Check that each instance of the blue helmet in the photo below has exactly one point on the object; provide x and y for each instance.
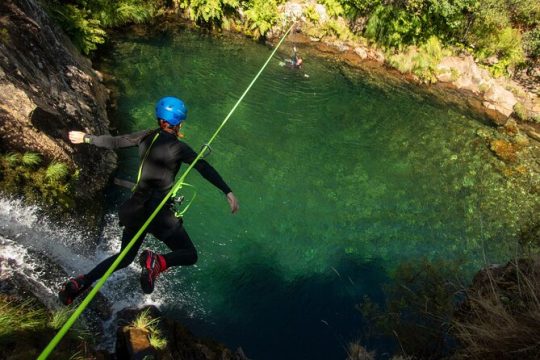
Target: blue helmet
(171, 109)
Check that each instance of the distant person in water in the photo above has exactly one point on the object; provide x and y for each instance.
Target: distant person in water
(296, 61)
(161, 153)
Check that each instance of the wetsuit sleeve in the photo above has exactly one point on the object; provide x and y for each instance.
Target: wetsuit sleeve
(116, 142)
(187, 155)
(209, 173)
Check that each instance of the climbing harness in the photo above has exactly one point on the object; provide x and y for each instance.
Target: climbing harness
(173, 192)
(143, 161)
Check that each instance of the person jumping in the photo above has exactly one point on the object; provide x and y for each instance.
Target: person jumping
(161, 153)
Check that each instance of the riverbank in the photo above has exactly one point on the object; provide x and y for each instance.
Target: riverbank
(509, 151)
(451, 74)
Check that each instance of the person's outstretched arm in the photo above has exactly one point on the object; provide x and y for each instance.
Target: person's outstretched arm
(108, 141)
(208, 172)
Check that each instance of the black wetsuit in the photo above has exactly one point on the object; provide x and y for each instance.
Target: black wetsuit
(161, 158)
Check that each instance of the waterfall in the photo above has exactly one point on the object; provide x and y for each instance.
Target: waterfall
(43, 254)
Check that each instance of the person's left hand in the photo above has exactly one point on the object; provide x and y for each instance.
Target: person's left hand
(233, 202)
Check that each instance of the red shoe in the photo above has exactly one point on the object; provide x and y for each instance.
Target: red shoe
(152, 265)
(71, 289)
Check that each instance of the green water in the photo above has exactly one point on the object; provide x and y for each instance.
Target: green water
(341, 177)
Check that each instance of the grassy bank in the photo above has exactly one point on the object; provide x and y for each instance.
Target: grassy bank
(26, 327)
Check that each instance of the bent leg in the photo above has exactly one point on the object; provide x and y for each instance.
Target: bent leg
(98, 271)
(183, 250)
(169, 229)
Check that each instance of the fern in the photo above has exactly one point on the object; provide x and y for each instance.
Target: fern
(12, 158)
(56, 171)
(31, 159)
(262, 16)
(333, 7)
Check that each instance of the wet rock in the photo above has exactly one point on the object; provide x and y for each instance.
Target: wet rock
(47, 89)
(293, 11)
(133, 343)
(181, 343)
(464, 73)
(499, 101)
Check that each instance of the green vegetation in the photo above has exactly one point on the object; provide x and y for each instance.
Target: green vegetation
(502, 34)
(418, 308)
(20, 316)
(427, 310)
(421, 61)
(261, 16)
(501, 315)
(521, 111)
(4, 36)
(145, 322)
(26, 174)
(209, 12)
(85, 21)
(26, 327)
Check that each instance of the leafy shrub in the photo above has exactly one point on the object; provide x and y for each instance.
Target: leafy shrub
(333, 7)
(359, 8)
(210, 12)
(85, 20)
(117, 13)
(532, 43)
(311, 13)
(338, 29)
(524, 13)
(85, 32)
(421, 61)
(261, 16)
(393, 27)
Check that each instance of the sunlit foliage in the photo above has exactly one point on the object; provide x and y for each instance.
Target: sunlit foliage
(261, 16)
(86, 20)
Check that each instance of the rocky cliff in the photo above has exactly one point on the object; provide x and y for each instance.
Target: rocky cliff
(46, 89)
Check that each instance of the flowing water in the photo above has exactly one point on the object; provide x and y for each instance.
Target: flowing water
(341, 178)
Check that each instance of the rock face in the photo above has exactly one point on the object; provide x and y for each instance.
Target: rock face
(465, 74)
(47, 89)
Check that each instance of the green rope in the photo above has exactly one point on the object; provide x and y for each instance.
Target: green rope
(178, 185)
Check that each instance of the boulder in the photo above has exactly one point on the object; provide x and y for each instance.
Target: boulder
(500, 102)
(47, 89)
(361, 52)
(180, 342)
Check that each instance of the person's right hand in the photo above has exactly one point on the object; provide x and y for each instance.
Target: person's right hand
(76, 137)
(233, 202)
